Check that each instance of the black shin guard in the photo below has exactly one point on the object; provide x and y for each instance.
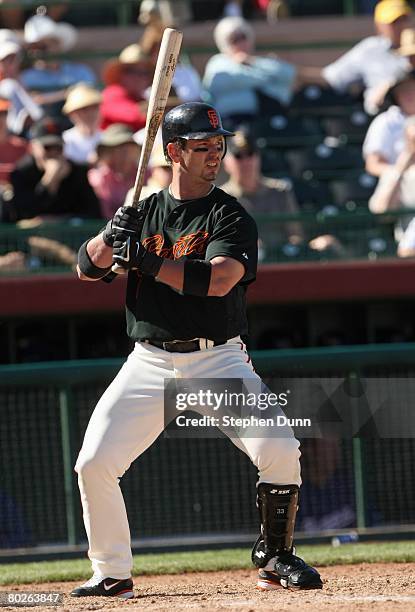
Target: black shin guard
(273, 551)
(277, 506)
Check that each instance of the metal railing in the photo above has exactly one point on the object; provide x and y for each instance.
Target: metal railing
(348, 236)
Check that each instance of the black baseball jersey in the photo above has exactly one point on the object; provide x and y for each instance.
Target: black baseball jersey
(203, 228)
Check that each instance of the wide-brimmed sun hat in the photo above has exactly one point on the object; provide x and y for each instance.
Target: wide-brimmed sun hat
(80, 96)
(42, 27)
(133, 55)
(407, 47)
(115, 135)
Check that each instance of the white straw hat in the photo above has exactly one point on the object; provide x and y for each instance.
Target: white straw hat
(81, 96)
(39, 27)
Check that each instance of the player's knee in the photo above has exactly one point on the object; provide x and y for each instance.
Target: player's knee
(101, 464)
(277, 451)
(89, 466)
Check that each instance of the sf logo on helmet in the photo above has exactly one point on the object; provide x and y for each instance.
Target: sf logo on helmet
(213, 118)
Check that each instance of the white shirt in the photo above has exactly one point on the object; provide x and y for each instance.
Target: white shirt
(408, 239)
(22, 105)
(386, 135)
(187, 83)
(371, 62)
(78, 147)
(406, 196)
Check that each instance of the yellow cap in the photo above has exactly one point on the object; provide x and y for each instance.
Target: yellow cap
(388, 11)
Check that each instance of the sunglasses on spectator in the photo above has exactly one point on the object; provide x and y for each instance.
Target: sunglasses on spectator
(237, 37)
(53, 147)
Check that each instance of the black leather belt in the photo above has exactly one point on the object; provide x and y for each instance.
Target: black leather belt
(185, 346)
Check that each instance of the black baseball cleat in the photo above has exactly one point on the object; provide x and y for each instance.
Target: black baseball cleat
(105, 587)
(290, 572)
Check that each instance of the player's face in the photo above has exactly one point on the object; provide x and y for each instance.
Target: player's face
(201, 159)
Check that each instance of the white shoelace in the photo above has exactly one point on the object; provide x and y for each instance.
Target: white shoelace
(93, 581)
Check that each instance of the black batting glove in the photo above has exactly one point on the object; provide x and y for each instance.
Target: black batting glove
(129, 253)
(128, 220)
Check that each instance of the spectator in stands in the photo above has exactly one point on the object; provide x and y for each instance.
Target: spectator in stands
(44, 37)
(46, 184)
(14, 15)
(374, 60)
(14, 529)
(396, 186)
(274, 9)
(407, 48)
(116, 167)
(186, 85)
(385, 137)
(260, 194)
(233, 8)
(240, 84)
(407, 51)
(235, 77)
(23, 108)
(82, 107)
(328, 501)
(172, 12)
(12, 148)
(160, 176)
(257, 193)
(126, 80)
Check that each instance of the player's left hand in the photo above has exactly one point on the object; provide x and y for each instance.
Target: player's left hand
(127, 219)
(130, 254)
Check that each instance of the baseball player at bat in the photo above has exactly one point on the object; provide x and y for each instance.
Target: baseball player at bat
(190, 252)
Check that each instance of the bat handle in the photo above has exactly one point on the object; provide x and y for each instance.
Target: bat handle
(118, 269)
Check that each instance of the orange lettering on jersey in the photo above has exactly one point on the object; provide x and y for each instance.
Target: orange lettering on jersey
(192, 243)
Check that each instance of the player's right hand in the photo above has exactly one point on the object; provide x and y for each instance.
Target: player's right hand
(127, 220)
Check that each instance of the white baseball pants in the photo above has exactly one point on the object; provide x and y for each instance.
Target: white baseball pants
(126, 421)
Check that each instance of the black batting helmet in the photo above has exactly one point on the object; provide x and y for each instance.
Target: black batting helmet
(195, 120)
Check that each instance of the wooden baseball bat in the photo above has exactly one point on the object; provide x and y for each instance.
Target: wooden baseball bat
(160, 89)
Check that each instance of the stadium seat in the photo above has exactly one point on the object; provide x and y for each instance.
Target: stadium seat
(327, 160)
(350, 129)
(354, 192)
(322, 101)
(281, 131)
(311, 195)
(273, 162)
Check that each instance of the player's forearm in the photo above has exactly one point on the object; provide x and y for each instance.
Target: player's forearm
(172, 273)
(99, 252)
(224, 274)
(100, 256)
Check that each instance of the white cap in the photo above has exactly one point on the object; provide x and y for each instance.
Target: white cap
(39, 27)
(229, 26)
(9, 36)
(9, 48)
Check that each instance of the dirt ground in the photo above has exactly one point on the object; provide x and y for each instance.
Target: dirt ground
(346, 588)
